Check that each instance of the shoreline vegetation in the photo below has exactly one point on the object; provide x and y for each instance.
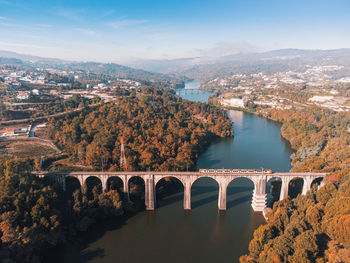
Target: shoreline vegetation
(160, 131)
(314, 227)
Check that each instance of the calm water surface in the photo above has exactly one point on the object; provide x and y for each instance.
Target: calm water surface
(170, 234)
(193, 93)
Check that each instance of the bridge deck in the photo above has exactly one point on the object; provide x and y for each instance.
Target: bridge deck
(182, 173)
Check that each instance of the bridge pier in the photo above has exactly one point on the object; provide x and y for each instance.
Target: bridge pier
(149, 193)
(259, 202)
(307, 184)
(126, 190)
(187, 196)
(83, 187)
(259, 195)
(284, 187)
(104, 184)
(222, 196)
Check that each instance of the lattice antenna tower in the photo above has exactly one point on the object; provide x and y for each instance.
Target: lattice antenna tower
(123, 165)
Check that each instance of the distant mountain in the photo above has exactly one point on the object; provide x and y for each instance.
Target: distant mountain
(120, 71)
(201, 68)
(204, 68)
(30, 58)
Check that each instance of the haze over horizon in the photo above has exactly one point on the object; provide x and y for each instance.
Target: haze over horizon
(124, 31)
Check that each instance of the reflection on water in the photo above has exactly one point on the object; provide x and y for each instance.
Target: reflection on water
(257, 144)
(170, 234)
(237, 118)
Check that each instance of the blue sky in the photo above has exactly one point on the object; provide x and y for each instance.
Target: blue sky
(122, 31)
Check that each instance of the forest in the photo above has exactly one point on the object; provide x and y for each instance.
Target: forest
(160, 132)
(37, 215)
(314, 227)
(163, 132)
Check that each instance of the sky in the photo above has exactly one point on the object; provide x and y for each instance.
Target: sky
(129, 30)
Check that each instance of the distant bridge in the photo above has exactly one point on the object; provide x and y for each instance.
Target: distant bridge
(188, 178)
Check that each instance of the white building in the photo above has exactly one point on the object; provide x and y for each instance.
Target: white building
(233, 102)
(36, 92)
(23, 95)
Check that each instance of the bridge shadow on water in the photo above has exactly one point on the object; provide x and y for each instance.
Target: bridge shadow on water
(179, 196)
(238, 201)
(169, 200)
(230, 191)
(204, 201)
(201, 190)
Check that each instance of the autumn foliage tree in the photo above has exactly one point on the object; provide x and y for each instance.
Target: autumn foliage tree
(35, 214)
(314, 227)
(160, 131)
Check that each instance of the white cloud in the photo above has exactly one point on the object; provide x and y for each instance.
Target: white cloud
(10, 24)
(24, 45)
(3, 18)
(126, 22)
(11, 3)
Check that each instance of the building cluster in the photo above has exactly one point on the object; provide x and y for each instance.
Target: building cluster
(270, 101)
(322, 83)
(15, 132)
(13, 77)
(316, 76)
(27, 83)
(335, 103)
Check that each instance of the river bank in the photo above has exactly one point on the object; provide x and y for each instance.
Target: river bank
(203, 234)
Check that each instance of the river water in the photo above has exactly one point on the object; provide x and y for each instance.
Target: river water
(170, 234)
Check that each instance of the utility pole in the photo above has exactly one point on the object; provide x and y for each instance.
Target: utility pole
(123, 165)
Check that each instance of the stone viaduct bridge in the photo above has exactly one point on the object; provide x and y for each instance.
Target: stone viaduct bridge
(188, 178)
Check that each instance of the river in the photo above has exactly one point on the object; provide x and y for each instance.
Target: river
(170, 234)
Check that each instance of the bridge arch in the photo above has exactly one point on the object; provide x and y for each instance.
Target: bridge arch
(316, 181)
(239, 177)
(201, 186)
(132, 177)
(239, 189)
(72, 184)
(211, 178)
(115, 183)
(273, 190)
(136, 187)
(168, 185)
(295, 186)
(91, 182)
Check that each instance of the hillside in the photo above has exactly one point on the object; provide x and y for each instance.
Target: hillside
(206, 68)
(28, 62)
